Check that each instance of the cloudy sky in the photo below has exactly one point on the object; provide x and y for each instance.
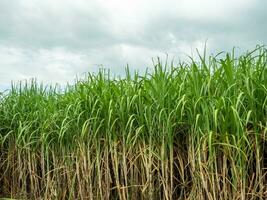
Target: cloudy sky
(55, 40)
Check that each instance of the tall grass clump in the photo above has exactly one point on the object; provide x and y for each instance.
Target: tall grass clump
(194, 130)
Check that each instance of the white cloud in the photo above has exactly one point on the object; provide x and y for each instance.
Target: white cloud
(49, 66)
(54, 40)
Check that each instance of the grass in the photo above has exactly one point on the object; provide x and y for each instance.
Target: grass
(192, 130)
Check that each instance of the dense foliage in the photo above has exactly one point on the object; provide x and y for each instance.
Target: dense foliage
(193, 130)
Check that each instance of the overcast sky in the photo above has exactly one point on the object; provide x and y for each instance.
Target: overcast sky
(55, 40)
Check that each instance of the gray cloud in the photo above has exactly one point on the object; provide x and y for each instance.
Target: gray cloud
(54, 40)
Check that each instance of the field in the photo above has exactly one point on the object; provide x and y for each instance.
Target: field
(191, 130)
